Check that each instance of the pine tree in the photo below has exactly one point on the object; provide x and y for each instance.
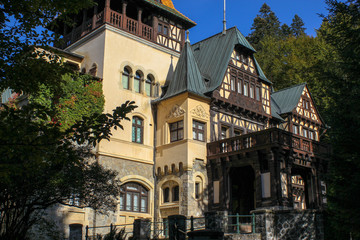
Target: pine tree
(297, 26)
(285, 30)
(266, 23)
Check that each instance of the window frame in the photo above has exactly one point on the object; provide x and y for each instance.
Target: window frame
(176, 130)
(149, 83)
(197, 131)
(141, 192)
(137, 78)
(125, 73)
(134, 130)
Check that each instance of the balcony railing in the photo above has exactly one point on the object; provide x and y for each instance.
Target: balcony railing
(114, 18)
(261, 139)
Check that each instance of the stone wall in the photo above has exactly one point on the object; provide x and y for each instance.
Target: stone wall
(289, 224)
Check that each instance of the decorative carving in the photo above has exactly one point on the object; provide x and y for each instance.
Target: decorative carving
(175, 112)
(200, 112)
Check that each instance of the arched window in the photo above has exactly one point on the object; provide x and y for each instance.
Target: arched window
(137, 82)
(175, 194)
(133, 198)
(198, 187)
(137, 130)
(166, 195)
(171, 192)
(125, 78)
(148, 86)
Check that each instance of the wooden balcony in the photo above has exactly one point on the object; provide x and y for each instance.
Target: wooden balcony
(113, 18)
(272, 137)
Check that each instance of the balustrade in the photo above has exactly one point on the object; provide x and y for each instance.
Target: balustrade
(260, 139)
(117, 20)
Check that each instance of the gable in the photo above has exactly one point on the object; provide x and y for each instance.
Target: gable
(243, 61)
(306, 107)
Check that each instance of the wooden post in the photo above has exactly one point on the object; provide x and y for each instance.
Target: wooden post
(107, 11)
(94, 17)
(139, 29)
(83, 24)
(155, 27)
(124, 21)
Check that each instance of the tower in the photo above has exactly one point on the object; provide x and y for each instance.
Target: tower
(133, 46)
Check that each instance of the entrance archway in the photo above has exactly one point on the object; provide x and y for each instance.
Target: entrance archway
(242, 184)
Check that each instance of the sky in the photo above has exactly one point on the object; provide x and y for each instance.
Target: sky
(208, 14)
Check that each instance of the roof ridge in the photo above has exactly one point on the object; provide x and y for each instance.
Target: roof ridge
(213, 36)
(287, 88)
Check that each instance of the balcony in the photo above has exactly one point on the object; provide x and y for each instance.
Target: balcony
(272, 137)
(113, 18)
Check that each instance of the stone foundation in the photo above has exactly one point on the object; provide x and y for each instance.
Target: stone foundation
(289, 224)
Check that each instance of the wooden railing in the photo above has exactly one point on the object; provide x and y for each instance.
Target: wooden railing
(117, 20)
(261, 139)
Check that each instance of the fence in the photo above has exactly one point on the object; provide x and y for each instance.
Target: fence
(236, 224)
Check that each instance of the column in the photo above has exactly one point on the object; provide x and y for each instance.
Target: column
(94, 19)
(124, 21)
(107, 11)
(139, 28)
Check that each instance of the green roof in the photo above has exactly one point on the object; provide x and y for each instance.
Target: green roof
(172, 11)
(287, 99)
(186, 77)
(213, 55)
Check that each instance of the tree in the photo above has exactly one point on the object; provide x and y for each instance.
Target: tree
(47, 146)
(266, 23)
(342, 32)
(297, 26)
(285, 30)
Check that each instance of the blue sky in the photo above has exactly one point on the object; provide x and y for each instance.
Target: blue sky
(208, 14)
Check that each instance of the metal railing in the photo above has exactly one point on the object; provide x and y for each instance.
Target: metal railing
(92, 233)
(241, 223)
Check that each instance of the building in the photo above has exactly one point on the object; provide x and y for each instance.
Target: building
(209, 133)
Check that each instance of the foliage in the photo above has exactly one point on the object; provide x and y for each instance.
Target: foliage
(47, 146)
(79, 96)
(266, 23)
(297, 26)
(341, 30)
(116, 234)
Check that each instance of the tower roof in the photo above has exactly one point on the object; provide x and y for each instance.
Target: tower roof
(168, 6)
(187, 76)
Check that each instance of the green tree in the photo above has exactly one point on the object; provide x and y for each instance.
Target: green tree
(341, 30)
(297, 26)
(285, 30)
(266, 23)
(47, 146)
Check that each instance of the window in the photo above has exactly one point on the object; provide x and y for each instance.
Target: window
(295, 129)
(75, 232)
(93, 70)
(239, 85)
(232, 83)
(156, 93)
(148, 86)
(133, 198)
(163, 29)
(160, 28)
(224, 132)
(257, 93)
(246, 87)
(252, 91)
(305, 132)
(197, 190)
(167, 194)
(311, 135)
(198, 131)
(171, 192)
(125, 78)
(166, 30)
(176, 131)
(175, 194)
(137, 130)
(137, 82)
(306, 104)
(237, 132)
(198, 187)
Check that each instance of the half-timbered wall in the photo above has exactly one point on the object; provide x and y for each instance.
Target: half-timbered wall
(305, 120)
(241, 86)
(170, 34)
(234, 125)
